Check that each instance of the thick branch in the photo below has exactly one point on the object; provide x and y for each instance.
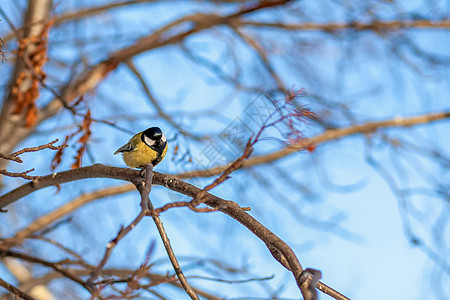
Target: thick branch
(284, 253)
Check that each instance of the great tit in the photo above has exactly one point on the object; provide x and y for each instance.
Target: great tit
(148, 146)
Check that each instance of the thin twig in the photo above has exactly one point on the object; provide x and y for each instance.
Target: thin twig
(54, 265)
(15, 290)
(23, 174)
(10, 157)
(176, 266)
(144, 189)
(109, 248)
(376, 25)
(154, 102)
(15, 156)
(328, 135)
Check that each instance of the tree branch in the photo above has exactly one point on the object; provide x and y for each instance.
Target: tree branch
(328, 135)
(54, 265)
(15, 291)
(330, 27)
(284, 253)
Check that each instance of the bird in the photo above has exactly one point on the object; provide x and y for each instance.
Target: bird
(148, 146)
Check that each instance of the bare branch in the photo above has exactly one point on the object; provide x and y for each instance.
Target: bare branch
(263, 56)
(144, 188)
(41, 147)
(171, 254)
(154, 102)
(15, 157)
(289, 259)
(23, 174)
(54, 265)
(3, 52)
(375, 25)
(15, 290)
(109, 248)
(11, 157)
(329, 135)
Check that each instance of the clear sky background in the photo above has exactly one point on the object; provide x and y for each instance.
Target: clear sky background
(331, 206)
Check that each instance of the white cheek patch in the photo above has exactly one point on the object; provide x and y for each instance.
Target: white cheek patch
(149, 141)
(163, 138)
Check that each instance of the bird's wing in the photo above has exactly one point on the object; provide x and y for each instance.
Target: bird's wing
(125, 148)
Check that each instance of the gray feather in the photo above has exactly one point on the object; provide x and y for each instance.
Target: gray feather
(125, 148)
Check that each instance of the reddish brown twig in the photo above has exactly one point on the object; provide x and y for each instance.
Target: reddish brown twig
(15, 157)
(290, 116)
(23, 174)
(10, 157)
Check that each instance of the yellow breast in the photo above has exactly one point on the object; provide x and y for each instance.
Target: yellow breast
(141, 156)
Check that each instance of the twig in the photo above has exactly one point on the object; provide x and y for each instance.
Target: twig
(10, 157)
(54, 265)
(15, 290)
(155, 103)
(176, 266)
(23, 174)
(109, 248)
(262, 55)
(328, 135)
(376, 25)
(144, 189)
(291, 117)
(125, 274)
(234, 281)
(15, 156)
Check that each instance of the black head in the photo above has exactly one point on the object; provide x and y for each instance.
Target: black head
(153, 136)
